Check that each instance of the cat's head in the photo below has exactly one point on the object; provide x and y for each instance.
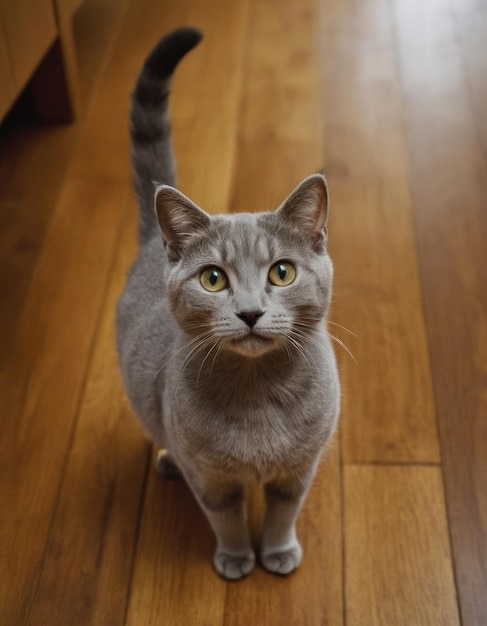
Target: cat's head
(248, 282)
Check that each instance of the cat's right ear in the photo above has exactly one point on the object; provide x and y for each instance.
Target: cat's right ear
(179, 219)
(306, 209)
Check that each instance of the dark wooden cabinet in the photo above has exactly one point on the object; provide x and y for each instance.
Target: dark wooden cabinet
(36, 40)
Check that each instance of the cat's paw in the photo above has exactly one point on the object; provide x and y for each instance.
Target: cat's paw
(166, 467)
(282, 561)
(233, 567)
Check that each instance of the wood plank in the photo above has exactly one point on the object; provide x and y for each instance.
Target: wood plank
(110, 158)
(279, 143)
(7, 81)
(280, 117)
(470, 27)
(41, 386)
(96, 27)
(449, 175)
(206, 103)
(389, 413)
(173, 574)
(19, 249)
(398, 562)
(88, 563)
(29, 188)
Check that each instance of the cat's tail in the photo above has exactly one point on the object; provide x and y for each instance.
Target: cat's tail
(150, 127)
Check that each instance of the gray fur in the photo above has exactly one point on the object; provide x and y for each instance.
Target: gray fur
(235, 406)
(150, 129)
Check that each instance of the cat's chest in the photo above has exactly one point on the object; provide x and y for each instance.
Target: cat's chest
(259, 436)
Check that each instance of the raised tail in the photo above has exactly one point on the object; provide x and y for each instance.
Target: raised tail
(150, 128)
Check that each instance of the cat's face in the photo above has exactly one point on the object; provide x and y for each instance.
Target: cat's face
(249, 283)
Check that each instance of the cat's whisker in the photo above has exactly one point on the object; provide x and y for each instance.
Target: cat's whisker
(289, 355)
(201, 346)
(299, 348)
(342, 327)
(215, 344)
(322, 348)
(191, 342)
(200, 341)
(340, 342)
(221, 345)
(303, 338)
(304, 321)
(204, 340)
(161, 368)
(334, 337)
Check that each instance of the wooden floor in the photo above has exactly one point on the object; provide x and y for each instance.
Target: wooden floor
(390, 97)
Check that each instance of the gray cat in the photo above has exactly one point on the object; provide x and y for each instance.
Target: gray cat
(222, 338)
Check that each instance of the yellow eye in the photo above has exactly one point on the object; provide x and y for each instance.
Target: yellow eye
(282, 274)
(213, 279)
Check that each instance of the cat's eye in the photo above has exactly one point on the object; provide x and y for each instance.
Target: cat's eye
(282, 273)
(213, 279)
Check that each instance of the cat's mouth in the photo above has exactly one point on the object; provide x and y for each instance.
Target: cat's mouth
(252, 344)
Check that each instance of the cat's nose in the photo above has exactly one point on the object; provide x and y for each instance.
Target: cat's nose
(250, 317)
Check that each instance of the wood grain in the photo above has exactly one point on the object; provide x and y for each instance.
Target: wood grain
(469, 28)
(449, 174)
(41, 387)
(391, 418)
(397, 550)
(108, 155)
(206, 106)
(6, 74)
(25, 210)
(279, 140)
(87, 566)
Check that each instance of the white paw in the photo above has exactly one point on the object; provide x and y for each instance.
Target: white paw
(233, 566)
(282, 561)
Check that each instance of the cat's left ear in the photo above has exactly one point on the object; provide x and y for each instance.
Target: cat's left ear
(179, 219)
(306, 209)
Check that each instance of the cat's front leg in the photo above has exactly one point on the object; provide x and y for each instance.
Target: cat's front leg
(281, 551)
(223, 503)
